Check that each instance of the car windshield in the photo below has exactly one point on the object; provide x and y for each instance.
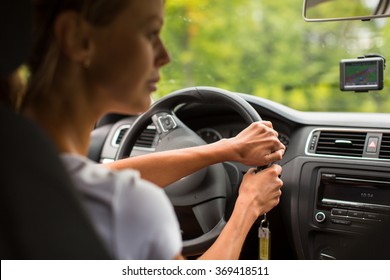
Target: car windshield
(265, 48)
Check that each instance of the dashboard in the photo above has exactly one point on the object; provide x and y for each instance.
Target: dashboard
(336, 173)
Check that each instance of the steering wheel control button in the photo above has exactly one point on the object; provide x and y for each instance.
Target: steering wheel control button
(167, 123)
(320, 217)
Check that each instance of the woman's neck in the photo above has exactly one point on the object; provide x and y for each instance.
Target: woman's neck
(69, 125)
(67, 113)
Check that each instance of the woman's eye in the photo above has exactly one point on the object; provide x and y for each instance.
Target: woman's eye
(152, 36)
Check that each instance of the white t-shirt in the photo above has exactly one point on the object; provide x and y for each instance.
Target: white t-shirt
(134, 217)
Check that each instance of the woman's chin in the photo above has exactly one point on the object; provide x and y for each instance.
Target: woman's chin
(140, 107)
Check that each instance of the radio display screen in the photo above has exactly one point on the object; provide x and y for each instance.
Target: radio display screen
(360, 194)
(374, 192)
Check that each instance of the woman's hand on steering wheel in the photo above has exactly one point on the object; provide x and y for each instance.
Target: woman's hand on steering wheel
(257, 145)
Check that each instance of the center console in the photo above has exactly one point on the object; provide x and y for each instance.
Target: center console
(349, 199)
(338, 204)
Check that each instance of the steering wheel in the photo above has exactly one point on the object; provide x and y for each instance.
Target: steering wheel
(200, 198)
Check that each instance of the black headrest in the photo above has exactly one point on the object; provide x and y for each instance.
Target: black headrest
(15, 34)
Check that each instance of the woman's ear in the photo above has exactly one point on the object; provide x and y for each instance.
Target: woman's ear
(74, 37)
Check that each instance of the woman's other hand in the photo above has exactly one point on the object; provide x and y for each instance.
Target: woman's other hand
(260, 191)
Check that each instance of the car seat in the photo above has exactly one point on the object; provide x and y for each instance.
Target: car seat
(41, 213)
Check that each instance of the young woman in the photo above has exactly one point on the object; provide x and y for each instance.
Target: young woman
(93, 57)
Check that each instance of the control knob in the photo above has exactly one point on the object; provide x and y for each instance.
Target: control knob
(320, 217)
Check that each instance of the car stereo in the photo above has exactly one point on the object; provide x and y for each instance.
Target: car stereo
(347, 199)
(362, 74)
(338, 206)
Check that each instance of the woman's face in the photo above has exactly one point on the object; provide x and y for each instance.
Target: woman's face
(127, 57)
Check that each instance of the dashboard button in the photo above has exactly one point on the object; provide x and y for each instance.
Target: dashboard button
(320, 217)
(339, 212)
(372, 145)
(355, 214)
(340, 222)
(372, 216)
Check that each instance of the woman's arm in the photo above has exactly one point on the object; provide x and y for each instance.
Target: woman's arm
(259, 193)
(256, 145)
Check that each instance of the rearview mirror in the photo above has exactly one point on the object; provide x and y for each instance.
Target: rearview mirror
(335, 10)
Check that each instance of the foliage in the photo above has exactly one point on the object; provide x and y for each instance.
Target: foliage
(265, 48)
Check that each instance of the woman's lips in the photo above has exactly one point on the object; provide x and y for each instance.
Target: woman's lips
(152, 83)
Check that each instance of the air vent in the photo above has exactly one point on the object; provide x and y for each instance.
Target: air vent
(341, 143)
(385, 147)
(118, 136)
(146, 139)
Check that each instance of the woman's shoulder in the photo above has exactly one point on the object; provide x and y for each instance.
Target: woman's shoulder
(135, 211)
(91, 176)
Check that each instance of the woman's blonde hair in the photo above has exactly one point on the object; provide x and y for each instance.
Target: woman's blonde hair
(45, 52)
